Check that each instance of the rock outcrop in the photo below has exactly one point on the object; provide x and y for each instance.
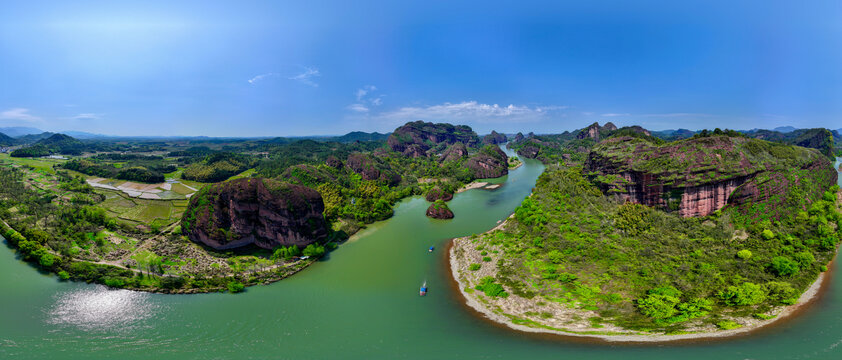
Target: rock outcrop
(333, 162)
(696, 177)
(439, 210)
(455, 152)
(263, 212)
(437, 193)
(494, 138)
(489, 162)
(423, 138)
(371, 168)
(592, 132)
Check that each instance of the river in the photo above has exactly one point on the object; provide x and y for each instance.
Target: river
(360, 303)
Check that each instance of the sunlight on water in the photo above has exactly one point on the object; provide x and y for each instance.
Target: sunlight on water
(98, 308)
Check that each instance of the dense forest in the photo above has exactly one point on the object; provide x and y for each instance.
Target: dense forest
(644, 268)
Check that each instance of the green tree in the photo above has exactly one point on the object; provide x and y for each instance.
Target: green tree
(784, 266)
(235, 287)
(743, 295)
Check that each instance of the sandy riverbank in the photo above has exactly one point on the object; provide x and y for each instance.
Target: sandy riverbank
(569, 322)
(473, 185)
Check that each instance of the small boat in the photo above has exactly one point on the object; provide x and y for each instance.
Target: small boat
(432, 248)
(423, 289)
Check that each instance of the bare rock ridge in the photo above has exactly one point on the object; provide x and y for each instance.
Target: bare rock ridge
(447, 143)
(490, 162)
(263, 212)
(455, 152)
(697, 177)
(420, 138)
(372, 168)
(494, 138)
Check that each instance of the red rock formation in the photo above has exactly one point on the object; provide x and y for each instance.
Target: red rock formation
(436, 193)
(263, 212)
(371, 169)
(695, 177)
(424, 134)
(490, 162)
(494, 138)
(591, 131)
(439, 210)
(455, 152)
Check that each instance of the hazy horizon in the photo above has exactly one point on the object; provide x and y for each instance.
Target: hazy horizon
(307, 69)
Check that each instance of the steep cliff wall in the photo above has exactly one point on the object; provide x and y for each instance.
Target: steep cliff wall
(263, 212)
(420, 138)
(696, 177)
(489, 162)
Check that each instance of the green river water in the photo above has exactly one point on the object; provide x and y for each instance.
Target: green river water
(360, 303)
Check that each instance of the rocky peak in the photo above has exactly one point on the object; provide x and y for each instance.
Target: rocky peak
(494, 138)
(439, 210)
(429, 137)
(370, 168)
(489, 162)
(696, 177)
(258, 211)
(592, 132)
(455, 152)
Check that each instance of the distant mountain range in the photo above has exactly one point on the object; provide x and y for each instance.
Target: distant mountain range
(18, 131)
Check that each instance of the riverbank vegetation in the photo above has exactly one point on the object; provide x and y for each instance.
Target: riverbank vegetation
(109, 212)
(644, 269)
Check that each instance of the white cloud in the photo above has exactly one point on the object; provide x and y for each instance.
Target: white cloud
(361, 93)
(365, 99)
(86, 116)
(471, 111)
(358, 108)
(18, 114)
(260, 77)
(306, 76)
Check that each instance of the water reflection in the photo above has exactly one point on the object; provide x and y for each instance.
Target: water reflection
(99, 308)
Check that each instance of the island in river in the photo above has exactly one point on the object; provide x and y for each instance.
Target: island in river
(647, 240)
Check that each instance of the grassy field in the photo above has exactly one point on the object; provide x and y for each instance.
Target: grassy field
(244, 174)
(142, 211)
(39, 164)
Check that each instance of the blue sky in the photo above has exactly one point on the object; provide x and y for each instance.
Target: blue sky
(328, 67)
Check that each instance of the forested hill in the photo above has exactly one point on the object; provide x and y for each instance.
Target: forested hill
(736, 229)
(6, 140)
(575, 145)
(55, 144)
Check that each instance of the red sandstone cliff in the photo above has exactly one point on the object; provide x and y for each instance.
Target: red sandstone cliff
(262, 212)
(699, 176)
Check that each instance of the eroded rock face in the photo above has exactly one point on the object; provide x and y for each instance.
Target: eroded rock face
(371, 169)
(436, 193)
(455, 152)
(699, 176)
(333, 162)
(421, 137)
(592, 131)
(263, 212)
(439, 210)
(494, 138)
(489, 162)
(529, 151)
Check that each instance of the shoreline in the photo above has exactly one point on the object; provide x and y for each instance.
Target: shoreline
(484, 312)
